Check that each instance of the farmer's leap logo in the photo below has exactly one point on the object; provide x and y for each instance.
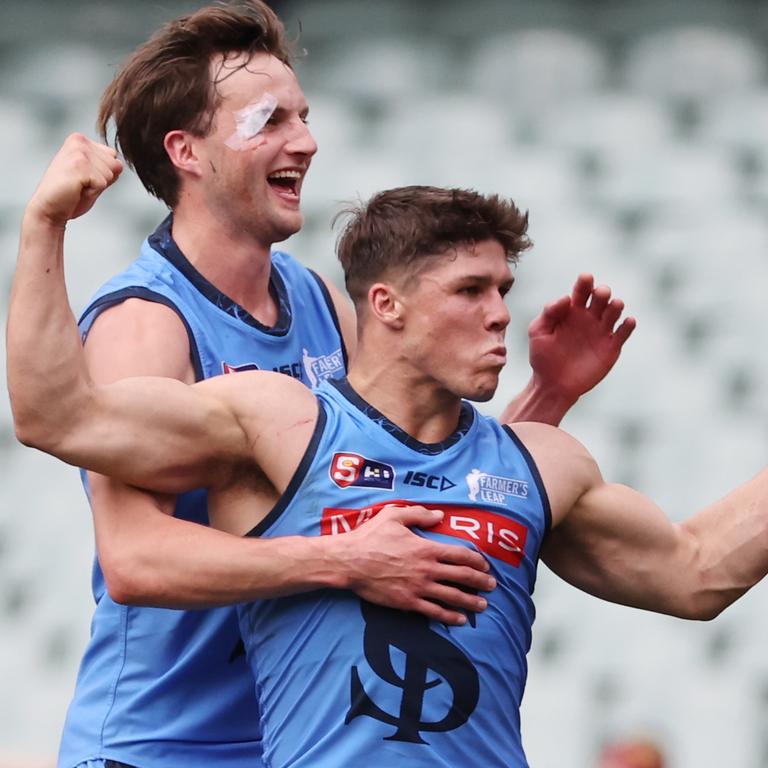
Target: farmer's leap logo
(494, 489)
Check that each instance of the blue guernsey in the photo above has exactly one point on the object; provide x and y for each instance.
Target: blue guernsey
(162, 688)
(343, 682)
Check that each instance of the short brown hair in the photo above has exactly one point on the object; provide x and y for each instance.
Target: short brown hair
(399, 229)
(165, 84)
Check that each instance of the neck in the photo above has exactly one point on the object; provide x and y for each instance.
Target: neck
(407, 397)
(232, 261)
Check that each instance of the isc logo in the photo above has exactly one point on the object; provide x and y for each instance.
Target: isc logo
(423, 480)
(351, 469)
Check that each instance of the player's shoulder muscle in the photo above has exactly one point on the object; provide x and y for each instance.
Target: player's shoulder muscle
(138, 338)
(566, 467)
(277, 413)
(271, 398)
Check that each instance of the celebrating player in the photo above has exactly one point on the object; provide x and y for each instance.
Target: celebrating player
(342, 681)
(212, 118)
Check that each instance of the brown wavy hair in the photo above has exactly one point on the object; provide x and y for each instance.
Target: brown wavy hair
(398, 231)
(166, 84)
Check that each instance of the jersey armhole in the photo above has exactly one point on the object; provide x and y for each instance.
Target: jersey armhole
(334, 315)
(298, 476)
(138, 292)
(536, 476)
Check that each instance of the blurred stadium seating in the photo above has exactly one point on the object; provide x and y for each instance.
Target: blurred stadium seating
(637, 134)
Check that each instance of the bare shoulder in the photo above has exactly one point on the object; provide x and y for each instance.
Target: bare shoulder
(138, 338)
(269, 399)
(566, 467)
(276, 413)
(546, 442)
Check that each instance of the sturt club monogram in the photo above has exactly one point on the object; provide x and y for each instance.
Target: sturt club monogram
(425, 651)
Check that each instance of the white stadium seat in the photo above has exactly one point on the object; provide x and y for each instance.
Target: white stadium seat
(694, 62)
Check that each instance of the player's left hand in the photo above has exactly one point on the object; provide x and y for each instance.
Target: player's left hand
(575, 341)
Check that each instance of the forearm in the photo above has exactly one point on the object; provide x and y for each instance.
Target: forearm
(47, 376)
(537, 402)
(163, 561)
(619, 546)
(731, 539)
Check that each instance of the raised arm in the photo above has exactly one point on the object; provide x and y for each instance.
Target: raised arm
(156, 432)
(615, 543)
(574, 343)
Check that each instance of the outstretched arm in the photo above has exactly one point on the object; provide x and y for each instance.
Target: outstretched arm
(617, 544)
(620, 546)
(574, 343)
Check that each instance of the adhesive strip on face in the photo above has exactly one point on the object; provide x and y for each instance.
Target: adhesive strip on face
(250, 120)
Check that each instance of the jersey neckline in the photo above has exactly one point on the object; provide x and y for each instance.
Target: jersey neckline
(161, 240)
(466, 420)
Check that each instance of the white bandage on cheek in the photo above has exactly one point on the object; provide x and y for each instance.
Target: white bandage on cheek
(250, 120)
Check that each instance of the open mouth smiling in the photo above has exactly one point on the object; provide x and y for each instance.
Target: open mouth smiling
(286, 182)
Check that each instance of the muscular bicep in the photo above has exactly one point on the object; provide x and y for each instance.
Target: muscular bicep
(618, 545)
(608, 539)
(158, 433)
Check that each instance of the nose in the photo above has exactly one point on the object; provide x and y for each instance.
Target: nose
(301, 141)
(497, 315)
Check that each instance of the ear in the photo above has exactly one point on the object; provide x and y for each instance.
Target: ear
(182, 151)
(386, 306)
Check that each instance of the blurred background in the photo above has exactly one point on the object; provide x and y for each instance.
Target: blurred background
(637, 135)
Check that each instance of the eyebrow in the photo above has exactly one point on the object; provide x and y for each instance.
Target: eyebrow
(282, 111)
(485, 280)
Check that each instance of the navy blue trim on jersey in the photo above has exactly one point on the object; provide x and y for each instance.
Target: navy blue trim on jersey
(466, 419)
(139, 292)
(332, 310)
(162, 241)
(298, 476)
(536, 476)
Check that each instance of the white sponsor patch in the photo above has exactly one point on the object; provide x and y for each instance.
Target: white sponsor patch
(494, 488)
(318, 369)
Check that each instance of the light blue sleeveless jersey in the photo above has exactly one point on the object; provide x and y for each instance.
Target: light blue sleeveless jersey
(162, 688)
(343, 682)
